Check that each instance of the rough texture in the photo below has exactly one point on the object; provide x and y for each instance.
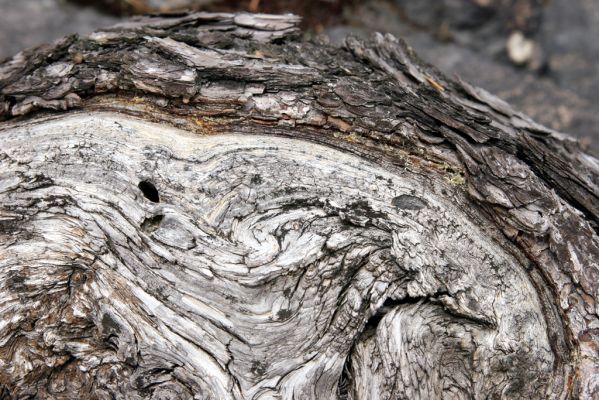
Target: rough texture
(226, 212)
(557, 85)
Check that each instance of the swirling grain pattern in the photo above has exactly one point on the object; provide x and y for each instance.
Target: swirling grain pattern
(256, 243)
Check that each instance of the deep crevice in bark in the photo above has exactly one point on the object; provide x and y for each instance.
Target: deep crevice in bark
(389, 304)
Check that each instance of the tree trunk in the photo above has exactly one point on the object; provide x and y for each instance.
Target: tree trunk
(204, 206)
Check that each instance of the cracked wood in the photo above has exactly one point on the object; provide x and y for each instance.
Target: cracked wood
(206, 206)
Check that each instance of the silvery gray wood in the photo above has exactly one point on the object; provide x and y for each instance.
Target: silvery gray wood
(206, 206)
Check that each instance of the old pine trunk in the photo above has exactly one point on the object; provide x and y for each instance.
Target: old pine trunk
(206, 206)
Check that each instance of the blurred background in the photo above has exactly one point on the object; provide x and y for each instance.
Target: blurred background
(540, 55)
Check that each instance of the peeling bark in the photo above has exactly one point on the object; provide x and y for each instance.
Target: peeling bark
(205, 206)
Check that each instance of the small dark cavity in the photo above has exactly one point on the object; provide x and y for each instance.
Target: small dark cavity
(110, 326)
(149, 191)
(152, 223)
(15, 281)
(256, 179)
(283, 314)
(77, 278)
(258, 368)
(363, 208)
(408, 202)
(110, 331)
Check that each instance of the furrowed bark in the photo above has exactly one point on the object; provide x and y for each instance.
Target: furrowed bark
(206, 206)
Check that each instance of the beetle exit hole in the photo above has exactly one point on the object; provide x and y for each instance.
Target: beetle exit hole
(149, 191)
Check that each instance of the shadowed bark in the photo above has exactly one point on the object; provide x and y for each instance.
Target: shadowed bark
(205, 206)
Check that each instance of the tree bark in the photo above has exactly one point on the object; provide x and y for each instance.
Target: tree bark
(206, 206)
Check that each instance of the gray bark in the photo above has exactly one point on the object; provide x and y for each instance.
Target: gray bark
(204, 206)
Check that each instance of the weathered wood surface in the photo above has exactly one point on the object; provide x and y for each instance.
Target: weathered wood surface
(222, 211)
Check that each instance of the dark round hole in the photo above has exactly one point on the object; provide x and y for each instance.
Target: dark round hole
(149, 191)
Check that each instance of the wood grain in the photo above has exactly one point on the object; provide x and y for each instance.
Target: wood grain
(205, 206)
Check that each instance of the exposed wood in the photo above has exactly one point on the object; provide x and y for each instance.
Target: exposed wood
(204, 206)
